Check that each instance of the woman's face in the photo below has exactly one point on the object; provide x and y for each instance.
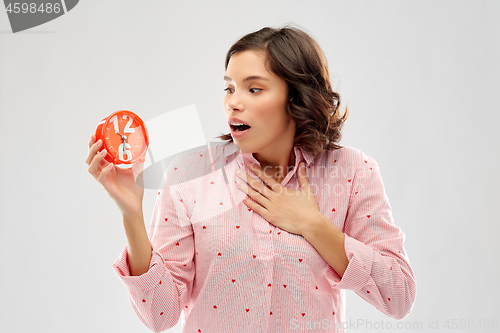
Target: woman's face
(258, 98)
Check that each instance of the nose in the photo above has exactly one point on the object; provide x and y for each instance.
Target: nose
(234, 102)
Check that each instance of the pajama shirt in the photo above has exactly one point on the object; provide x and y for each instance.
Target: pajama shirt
(230, 270)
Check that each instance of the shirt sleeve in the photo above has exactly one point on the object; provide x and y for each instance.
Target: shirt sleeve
(378, 270)
(159, 295)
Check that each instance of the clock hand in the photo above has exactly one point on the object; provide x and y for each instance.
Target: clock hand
(120, 125)
(124, 137)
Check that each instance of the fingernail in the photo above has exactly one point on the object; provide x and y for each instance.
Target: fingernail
(103, 152)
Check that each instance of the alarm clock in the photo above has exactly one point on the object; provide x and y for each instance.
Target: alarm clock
(125, 138)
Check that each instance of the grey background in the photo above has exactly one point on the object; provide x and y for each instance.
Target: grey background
(420, 78)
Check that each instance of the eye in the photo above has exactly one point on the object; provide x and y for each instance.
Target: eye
(228, 90)
(252, 90)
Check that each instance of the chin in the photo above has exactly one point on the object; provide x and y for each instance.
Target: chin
(243, 148)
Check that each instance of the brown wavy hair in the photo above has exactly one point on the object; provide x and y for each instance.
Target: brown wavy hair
(297, 58)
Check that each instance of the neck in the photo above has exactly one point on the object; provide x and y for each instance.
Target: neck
(277, 162)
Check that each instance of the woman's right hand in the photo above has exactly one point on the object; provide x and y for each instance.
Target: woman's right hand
(119, 183)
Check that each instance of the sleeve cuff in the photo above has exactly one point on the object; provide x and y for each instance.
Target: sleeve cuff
(146, 281)
(358, 270)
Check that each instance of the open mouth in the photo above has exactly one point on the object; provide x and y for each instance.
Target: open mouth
(239, 128)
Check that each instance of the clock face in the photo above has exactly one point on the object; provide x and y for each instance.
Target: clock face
(124, 136)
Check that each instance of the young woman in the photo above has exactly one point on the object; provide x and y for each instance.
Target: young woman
(268, 241)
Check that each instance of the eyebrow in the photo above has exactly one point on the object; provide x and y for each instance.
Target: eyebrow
(253, 77)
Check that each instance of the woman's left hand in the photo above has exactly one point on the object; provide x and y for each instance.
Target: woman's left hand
(287, 209)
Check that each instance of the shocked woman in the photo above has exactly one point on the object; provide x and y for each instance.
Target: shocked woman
(268, 241)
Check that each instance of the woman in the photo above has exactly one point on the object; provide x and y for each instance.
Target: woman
(271, 248)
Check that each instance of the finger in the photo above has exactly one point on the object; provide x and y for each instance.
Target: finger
(269, 181)
(257, 185)
(93, 150)
(257, 207)
(304, 183)
(96, 162)
(253, 206)
(103, 176)
(302, 169)
(92, 139)
(259, 197)
(258, 200)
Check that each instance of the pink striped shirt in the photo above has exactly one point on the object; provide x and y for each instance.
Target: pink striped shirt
(230, 270)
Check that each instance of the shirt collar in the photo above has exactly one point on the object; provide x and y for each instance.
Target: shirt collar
(232, 150)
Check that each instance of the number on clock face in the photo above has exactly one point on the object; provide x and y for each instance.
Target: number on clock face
(127, 128)
(123, 151)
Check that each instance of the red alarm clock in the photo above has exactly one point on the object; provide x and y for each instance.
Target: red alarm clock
(124, 136)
